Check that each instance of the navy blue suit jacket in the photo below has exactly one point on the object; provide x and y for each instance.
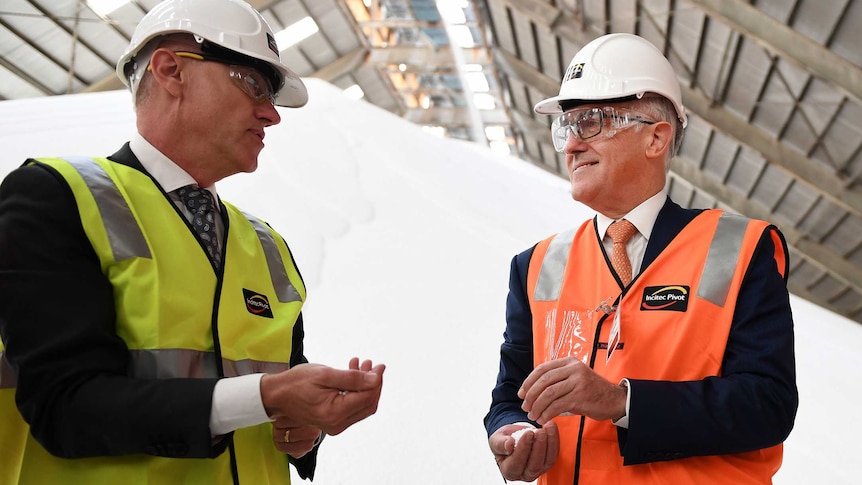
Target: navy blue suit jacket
(57, 319)
(751, 406)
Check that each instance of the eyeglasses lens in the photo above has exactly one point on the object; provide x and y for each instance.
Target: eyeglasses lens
(589, 123)
(586, 124)
(252, 83)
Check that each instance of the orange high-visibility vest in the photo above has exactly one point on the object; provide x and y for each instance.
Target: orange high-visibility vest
(674, 320)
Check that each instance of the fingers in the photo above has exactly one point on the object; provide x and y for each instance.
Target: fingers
(536, 460)
(295, 441)
(283, 423)
(534, 454)
(537, 374)
(552, 433)
(514, 465)
(355, 379)
(295, 434)
(501, 442)
(553, 388)
(364, 367)
(573, 388)
(544, 389)
(323, 397)
(551, 402)
(361, 403)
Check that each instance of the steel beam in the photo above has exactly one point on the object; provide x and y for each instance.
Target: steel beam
(787, 43)
(343, 65)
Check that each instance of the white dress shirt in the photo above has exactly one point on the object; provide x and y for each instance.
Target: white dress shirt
(643, 218)
(236, 400)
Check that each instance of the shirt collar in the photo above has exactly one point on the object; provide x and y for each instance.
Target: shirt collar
(167, 173)
(642, 217)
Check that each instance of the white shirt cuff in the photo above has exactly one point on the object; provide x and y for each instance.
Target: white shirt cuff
(623, 422)
(237, 404)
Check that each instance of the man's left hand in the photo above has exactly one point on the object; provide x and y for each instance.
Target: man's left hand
(570, 386)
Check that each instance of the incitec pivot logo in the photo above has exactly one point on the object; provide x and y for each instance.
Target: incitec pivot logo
(670, 298)
(257, 304)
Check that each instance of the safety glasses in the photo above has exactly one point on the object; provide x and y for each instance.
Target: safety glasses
(248, 79)
(588, 123)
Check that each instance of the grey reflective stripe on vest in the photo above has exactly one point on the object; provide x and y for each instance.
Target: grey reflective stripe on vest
(284, 289)
(8, 377)
(124, 234)
(550, 281)
(721, 261)
(171, 363)
(248, 366)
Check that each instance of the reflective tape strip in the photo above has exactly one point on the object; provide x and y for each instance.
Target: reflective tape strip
(722, 257)
(171, 363)
(284, 289)
(124, 235)
(550, 280)
(247, 366)
(8, 376)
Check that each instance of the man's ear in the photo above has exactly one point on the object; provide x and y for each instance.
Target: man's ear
(166, 70)
(660, 141)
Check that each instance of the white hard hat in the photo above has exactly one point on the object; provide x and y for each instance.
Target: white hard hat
(232, 27)
(615, 67)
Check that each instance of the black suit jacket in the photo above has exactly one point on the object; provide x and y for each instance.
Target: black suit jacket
(57, 320)
(751, 406)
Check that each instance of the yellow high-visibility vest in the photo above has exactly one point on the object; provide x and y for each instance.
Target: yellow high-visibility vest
(147, 251)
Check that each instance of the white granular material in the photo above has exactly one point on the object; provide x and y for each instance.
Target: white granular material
(518, 434)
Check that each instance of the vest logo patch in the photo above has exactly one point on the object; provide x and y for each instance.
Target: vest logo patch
(669, 298)
(257, 303)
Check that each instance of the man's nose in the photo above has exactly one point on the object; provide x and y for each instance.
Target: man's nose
(267, 111)
(574, 143)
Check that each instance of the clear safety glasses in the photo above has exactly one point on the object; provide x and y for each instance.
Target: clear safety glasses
(587, 123)
(248, 79)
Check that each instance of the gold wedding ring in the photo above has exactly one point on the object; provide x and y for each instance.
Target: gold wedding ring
(287, 436)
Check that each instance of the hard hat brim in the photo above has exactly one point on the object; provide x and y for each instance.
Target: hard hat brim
(553, 105)
(293, 94)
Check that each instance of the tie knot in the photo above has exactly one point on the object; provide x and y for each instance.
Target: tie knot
(621, 231)
(195, 198)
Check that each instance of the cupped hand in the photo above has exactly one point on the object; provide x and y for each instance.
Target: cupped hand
(535, 453)
(323, 397)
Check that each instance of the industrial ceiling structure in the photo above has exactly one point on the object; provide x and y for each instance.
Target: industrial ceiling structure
(773, 90)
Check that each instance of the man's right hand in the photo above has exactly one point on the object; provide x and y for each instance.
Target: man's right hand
(320, 396)
(535, 453)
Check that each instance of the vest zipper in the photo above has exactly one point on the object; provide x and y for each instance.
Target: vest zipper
(596, 337)
(234, 470)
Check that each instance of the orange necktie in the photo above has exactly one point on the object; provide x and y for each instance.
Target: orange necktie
(620, 233)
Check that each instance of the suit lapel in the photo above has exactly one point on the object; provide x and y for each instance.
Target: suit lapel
(670, 221)
(126, 157)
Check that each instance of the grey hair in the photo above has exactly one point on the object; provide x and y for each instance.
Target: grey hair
(662, 109)
(139, 80)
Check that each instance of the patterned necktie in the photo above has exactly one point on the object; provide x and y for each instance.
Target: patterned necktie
(202, 207)
(620, 233)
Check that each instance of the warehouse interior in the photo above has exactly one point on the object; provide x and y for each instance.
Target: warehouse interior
(772, 88)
